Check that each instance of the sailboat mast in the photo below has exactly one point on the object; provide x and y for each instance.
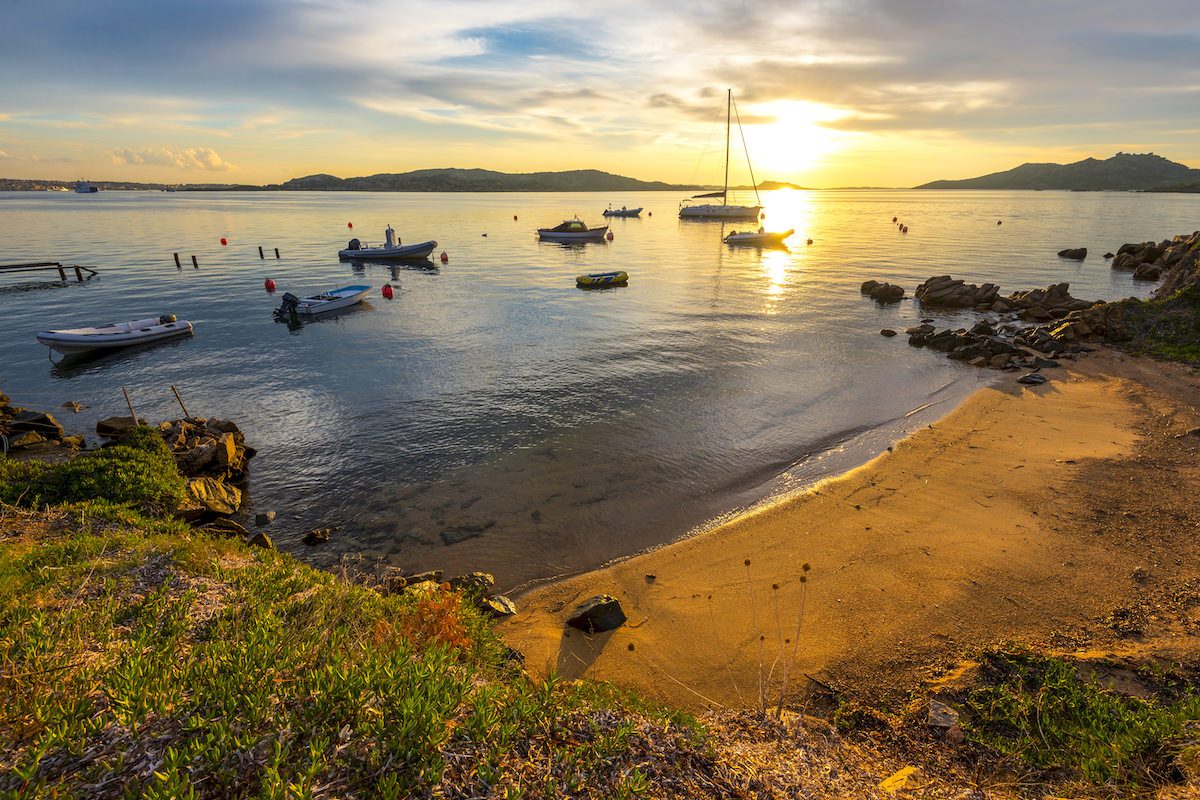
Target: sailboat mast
(728, 108)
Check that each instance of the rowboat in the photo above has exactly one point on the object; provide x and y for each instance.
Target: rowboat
(622, 212)
(391, 250)
(115, 334)
(760, 238)
(596, 280)
(572, 230)
(321, 303)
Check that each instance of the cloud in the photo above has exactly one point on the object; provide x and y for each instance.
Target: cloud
(193, 158)
(33, 158)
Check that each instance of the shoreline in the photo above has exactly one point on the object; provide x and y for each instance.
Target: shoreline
(981, 511)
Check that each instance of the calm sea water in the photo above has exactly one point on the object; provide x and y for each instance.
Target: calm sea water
(492, 416)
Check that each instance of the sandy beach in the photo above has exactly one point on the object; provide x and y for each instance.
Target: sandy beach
(1059, 515)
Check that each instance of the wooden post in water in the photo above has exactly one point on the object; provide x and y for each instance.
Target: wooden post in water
(129, 403)
(194, 264)
(62, 273)
(260, 252)
(180, 399)
(78, 274)
(177, 264)
(277, 252)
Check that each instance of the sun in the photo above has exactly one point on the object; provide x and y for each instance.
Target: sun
(796, 140)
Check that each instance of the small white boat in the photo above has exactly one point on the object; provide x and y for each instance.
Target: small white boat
(690, 210)
(759, 238)
(326, 301)
(622, 212)
(572, 230)
(115, 334)
(391, 250)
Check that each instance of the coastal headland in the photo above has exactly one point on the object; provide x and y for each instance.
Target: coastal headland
(1057, 515)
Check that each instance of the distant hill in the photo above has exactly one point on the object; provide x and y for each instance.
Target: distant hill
(480, 180)
(1122, 172)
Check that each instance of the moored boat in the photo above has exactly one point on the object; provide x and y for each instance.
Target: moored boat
(622, 212)
(596, 280)
(391, 250)
(332, 300)
(115, 334)
(572, 230)
(759, 238)
(83, 187)
(690, 210)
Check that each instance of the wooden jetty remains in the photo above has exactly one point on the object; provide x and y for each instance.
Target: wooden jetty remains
(40, 265)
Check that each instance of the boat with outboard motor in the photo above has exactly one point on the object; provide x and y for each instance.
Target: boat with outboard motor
(115, 334)
(572, 230)
(622, 212)
(391, 250)
(688, 210)
(759, 238)
(333, 300)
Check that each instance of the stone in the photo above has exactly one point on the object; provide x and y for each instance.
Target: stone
(264, 518)
(429, 576)
(116, 427)
(1032, 379)
(888, 332)
(597, 615)
(999, 360)
(1147, 272)
(220, 425)
(75, 441)
(260, 539)
(394, 584)
(476, 582)
(868, 286)
(74, 406)
(1043, 363)
(225, 527)
(40, 422)
(941, 715)
(317, 536)
(1073, 253)
(26, 439)
(214, 495)
(498, 606)
(900, 780)
(1188, 432)
(1108, 255)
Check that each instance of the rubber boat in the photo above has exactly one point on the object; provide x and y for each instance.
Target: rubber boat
(760, 238)
(596, 280)
(572, 230)
(622, 212)
(115, 334)
(391, 250)
(321, 303)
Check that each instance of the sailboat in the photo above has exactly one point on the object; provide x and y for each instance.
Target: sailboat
(689, 210)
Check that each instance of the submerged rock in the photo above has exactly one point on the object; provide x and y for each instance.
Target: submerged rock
(317, 536)
(1073, 253)
(599, 614)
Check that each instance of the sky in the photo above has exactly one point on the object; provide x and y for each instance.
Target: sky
(830, 92)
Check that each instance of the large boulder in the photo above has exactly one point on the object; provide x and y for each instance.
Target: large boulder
(1073, 253)
(943, 290)
(116, 427)
(1148, 272)
(37, 422)
(883, 292)
(212, 495)
(599, 614)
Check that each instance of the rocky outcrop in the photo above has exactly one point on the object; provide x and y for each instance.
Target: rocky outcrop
(1035, 305)
(1073, 253)
(207, 447)
(883, 292)
(949, 292)
(599, 614)
(37, 433)
(209, 495)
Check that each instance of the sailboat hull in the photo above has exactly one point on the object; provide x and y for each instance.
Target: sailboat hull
(719, 212)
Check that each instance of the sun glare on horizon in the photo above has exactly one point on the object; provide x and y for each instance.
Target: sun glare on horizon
(796, 140)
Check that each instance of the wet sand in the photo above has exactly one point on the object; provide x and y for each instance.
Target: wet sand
(1027, 514)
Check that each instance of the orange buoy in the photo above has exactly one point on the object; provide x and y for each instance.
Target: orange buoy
(387, 291)
(809, 241)
(894, 219)
(609, 237)
(445, 258)
(514, 217)
(269, 285)
(998, 222)
(223, 241)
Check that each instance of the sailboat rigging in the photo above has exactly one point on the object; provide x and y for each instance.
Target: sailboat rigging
(689, 210)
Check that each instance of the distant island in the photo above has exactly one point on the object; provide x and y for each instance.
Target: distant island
(422, 180)
(1122, 172)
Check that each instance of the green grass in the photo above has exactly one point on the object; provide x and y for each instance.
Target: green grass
(140, 473)
(138, 658)
(1038, 708)
(1167, 328)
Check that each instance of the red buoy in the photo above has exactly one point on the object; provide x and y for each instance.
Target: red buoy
(649, 213)
(609, 237)
(445, 258)
(223, 240)
(269, 285)
(894, 219)
(387, 291)
(809, 241)
(349, 224)
(999, 222)
(514, 217)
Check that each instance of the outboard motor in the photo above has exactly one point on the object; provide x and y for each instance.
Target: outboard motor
(289, 305)
(166, 319)
(354, 244)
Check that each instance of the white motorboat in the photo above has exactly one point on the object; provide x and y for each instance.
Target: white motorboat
(333, 300)
(690, 210)
(391, 250)
(115, 334)
(759, 238)
(572, 230)
(622, 212)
